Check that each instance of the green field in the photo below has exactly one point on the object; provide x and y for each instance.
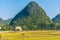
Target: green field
(30, 35)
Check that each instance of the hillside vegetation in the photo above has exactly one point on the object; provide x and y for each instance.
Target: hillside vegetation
(33, 17)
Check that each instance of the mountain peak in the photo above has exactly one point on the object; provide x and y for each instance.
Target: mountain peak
(33, 3)
(30, 17)
(58, 15)
(56, 19)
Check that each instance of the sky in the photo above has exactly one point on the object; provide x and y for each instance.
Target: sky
(9, 8)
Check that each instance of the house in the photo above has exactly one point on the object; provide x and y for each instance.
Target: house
(18, 28)
(0, 28)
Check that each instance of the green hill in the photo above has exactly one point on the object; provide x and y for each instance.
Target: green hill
(4, 22)
(32, 17)
(56, 19)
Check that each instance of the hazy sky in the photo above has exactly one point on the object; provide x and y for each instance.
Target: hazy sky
(9, 8)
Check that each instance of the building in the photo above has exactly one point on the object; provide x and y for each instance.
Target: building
(0, 28)
(18, 28)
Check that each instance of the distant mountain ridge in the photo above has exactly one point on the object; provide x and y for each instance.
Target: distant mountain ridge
(4, 22)
(56, 19)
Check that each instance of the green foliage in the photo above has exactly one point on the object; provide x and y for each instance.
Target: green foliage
(32, 17)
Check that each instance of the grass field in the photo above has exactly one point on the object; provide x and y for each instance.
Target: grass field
(30, 35)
